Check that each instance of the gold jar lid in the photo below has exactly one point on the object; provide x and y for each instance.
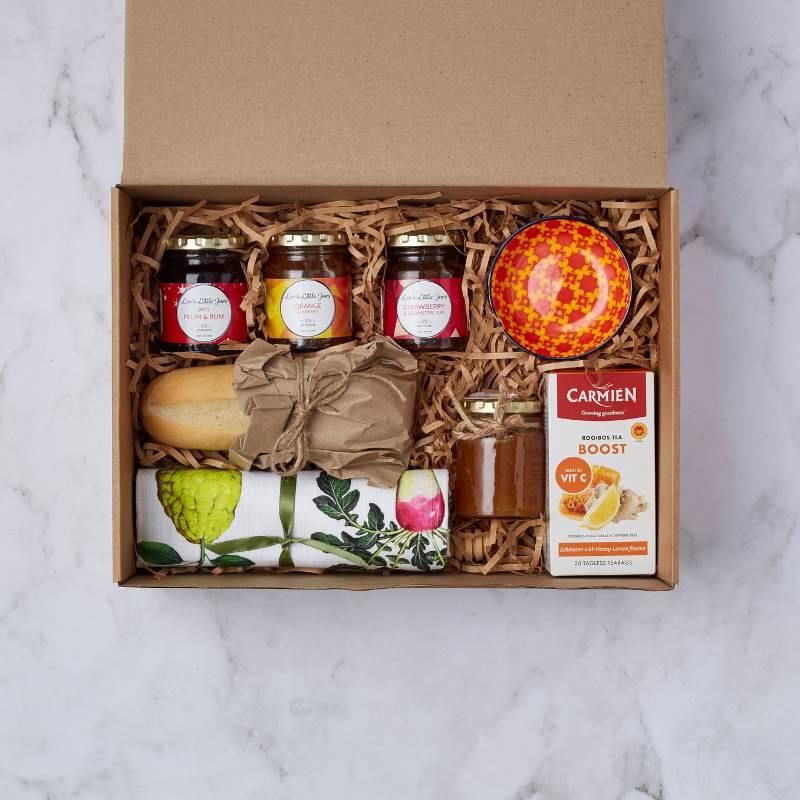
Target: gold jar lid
(205, 242)
(486, 403)
(308, 239)
(427, 239)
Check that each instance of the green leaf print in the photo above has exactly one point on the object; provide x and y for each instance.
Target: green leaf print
(158, 554)
(325, 505)
(232, 561)
(373, 542)
(375, 518)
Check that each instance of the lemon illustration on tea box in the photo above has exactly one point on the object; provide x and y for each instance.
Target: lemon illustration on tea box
(200, 502)
(602, 507)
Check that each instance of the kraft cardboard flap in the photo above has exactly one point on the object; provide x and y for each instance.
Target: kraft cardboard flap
(454, 92)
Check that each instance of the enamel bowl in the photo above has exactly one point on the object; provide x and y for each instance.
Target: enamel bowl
(560, 287)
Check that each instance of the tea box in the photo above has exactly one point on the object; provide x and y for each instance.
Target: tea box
(601, 488)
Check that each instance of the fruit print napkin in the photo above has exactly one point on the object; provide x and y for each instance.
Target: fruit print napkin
(213, 517)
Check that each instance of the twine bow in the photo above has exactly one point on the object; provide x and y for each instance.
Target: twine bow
(469, 428)
(313, 391)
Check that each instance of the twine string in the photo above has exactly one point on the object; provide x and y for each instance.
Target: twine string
(315, 388)
(496, 426)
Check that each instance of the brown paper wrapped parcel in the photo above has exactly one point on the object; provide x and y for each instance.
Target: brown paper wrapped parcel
(349, 410)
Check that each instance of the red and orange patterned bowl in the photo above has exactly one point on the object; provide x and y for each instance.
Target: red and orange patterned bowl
(560, 287)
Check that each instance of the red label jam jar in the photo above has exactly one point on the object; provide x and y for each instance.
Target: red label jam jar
(202, 285)
(423, 298)
(308, 286)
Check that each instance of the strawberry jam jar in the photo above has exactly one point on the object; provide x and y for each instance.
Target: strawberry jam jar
(423, 297)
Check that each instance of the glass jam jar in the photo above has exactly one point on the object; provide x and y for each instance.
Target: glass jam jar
(503, 473)
(308, 290)
(423, 298)
(201, 288)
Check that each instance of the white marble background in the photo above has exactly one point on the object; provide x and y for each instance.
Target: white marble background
(113, 694)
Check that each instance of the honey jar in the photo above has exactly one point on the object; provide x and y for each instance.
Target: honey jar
(500, 468)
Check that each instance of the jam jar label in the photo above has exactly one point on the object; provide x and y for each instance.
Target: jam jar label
(316, 308)
(202, 313)
(424, 309)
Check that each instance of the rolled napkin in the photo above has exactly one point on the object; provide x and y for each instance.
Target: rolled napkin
(212, 517)
(348, 410)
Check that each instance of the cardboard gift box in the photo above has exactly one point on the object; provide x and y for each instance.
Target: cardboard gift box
(308, 102)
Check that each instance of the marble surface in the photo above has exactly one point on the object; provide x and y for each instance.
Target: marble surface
(113, 694)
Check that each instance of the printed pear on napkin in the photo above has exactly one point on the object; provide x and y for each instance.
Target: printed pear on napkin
(214, 517)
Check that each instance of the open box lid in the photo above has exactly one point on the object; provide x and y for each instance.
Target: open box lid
(450, 93)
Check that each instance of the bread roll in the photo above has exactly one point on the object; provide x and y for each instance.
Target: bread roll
(194, 408)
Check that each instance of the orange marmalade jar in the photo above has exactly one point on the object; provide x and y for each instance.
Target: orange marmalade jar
(308, 287)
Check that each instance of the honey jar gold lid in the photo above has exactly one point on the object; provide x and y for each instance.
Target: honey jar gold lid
(205, 242)
(426, 239)
(308, 239)
(486, 403)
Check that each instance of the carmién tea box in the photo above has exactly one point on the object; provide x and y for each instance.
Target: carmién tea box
(601, 480)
